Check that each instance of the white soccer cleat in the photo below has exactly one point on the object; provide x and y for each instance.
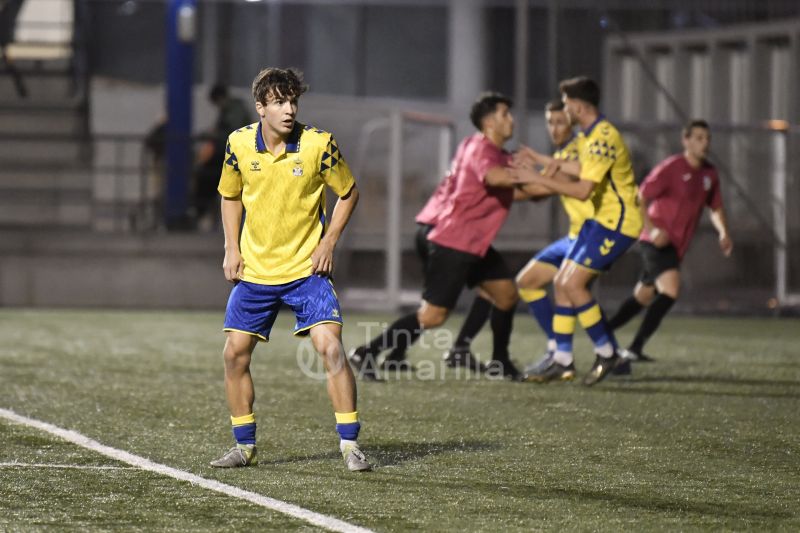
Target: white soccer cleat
(354, 459)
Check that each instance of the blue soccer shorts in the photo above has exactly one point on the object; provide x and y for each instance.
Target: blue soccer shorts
(555, 252)
(597, 247)
(252, 307)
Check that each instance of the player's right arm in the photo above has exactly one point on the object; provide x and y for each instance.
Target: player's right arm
(232, 265)
(653, 186)
(230, 188)
(556, 181)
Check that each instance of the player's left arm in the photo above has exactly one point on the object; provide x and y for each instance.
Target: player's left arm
(721, 225)
(322, 257)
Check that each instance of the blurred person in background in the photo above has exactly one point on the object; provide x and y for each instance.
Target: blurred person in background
(540, 271)
(232, 115)
(673, 197)
(606, 177)
(481, 188)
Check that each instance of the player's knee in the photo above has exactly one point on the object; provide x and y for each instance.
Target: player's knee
(236, 353)
(329, 349)
(644, 294)
(506, 300)
(431, 318)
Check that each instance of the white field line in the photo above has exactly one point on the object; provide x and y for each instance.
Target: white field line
(75, 467)
(317, 519)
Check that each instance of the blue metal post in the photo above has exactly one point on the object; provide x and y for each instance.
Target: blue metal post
(181, 24)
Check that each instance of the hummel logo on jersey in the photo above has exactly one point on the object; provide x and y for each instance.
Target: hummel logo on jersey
(255, 166)
(605, 248)
(687, 177)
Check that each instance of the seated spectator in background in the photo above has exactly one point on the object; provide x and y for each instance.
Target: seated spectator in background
(233, 114)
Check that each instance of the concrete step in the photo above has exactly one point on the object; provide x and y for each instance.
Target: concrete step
(22, 151)
(40, 86)
(64, 210)
(53, 179)
(53, 121)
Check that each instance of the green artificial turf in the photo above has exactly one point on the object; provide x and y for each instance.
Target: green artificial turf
(706, 438)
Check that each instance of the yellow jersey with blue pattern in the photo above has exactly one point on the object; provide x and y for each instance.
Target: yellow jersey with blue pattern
(283, 197)
(605, 160)
(577, 210)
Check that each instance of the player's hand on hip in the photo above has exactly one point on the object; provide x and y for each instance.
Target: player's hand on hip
(659, 237)
(726, 245)
(233, 266)
(322, 258)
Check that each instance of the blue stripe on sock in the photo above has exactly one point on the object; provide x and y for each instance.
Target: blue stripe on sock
(348, 431)
(245, 434)
(542, 311)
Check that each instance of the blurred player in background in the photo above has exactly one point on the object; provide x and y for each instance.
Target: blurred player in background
(277, 169)
(606, 176)
(459, 245)
(460, 354)
(673, 196)
(540, 271)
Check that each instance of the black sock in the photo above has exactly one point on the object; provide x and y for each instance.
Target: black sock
(652, 318)
(502, 322)
(629, 309)
(399, 335)
(476, 318)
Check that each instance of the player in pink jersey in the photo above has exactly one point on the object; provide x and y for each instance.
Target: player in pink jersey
(673, 196)
(480, 190)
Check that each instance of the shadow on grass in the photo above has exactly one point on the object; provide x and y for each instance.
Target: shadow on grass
(573, 496)
(394, 453)
(649, 385)
(716, 379)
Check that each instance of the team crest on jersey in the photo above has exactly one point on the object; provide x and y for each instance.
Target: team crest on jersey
(335, 313)
(687, 176)
(297, 171)
(706, 183)
(255, 166)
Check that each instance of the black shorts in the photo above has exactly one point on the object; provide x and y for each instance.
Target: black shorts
(656, 261)
(448, 271)
(421, 243)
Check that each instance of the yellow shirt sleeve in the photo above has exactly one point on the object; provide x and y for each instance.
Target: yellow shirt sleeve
(599, 154)
(335, 171)
(230, 182)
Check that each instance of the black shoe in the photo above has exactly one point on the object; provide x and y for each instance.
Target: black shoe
(600, 369)
(396, 362)
(622, 368)
(552, 371)
(462, 357)
(503, 368)
(363, 363)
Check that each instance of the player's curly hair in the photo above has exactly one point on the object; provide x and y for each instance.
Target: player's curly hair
(278, 82)
(486, 104)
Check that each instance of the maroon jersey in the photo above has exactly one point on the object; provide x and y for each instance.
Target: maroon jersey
(438, 200)
(473, 212)
(677, 193)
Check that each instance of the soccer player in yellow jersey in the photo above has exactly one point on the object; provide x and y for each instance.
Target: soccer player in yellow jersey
(606, 178)
(540, 271)
(277, 170)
